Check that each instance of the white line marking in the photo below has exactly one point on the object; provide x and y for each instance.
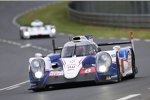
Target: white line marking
(9, 42)
(14, 86)
(23, 46)
(147, 40)
(124, 38)
(17, 44)
(26, 45)
(35, 47)
(112, 38)
(4, 41)
(44, 49)
(129, 97)
(136, 39)
(40, 48)
(101, 38)
(61, 34)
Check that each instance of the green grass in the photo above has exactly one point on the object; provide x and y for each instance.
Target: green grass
(57, 14)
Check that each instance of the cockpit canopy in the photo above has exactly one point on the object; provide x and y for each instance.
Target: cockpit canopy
(37, 23)
(78, 49)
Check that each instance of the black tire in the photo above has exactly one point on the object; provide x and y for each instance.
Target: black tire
(39, 89)
(133, 65)
(119, 76)
(36, 90)
(21, 35)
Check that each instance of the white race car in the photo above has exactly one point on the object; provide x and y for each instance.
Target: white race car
(37, 29)
(83, 60)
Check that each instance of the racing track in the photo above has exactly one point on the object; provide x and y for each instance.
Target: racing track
(14, 54)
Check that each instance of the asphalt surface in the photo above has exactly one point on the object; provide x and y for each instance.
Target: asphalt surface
(14, 55)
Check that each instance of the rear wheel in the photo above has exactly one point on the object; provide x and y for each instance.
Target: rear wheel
(133, 65)
(119, 76)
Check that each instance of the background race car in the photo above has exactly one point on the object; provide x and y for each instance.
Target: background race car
(82, 60)
(37, 29)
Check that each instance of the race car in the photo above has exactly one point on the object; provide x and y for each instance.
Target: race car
(81, 59)
(37, 28)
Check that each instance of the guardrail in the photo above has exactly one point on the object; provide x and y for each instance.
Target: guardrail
(109, 19)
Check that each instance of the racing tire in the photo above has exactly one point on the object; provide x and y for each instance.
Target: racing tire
(36, 90)
(119, 76)
(21, 35)
(39, 89)
(134, 69)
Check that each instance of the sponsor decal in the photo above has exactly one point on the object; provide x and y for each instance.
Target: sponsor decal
(72, 61)
(89, 70)
(56, 73)
(70, 67)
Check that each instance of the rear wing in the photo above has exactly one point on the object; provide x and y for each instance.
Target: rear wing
(119, 43)
(100, 44)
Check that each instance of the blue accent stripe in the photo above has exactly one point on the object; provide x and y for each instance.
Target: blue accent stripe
(123, 54)
(46, 76)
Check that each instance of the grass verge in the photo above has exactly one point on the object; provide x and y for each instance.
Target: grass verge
(57, 14)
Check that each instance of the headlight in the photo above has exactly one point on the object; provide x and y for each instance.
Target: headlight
(53, 30)
(103, 62)
(103, 69)
(37, 67)
(39, 74)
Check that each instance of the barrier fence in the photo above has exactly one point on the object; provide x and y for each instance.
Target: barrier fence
(108, 19)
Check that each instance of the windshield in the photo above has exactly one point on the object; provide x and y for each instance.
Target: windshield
(37, 26)
(78, 50)
(37, 23)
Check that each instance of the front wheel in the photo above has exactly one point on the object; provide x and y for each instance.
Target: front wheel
(39, 89)
(21, 35)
